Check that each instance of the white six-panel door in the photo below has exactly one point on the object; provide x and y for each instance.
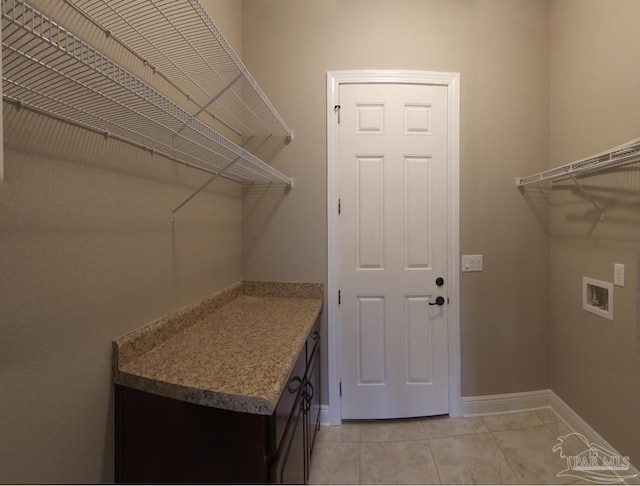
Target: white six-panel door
(393, 248)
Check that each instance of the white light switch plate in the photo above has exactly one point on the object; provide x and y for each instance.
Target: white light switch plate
(472, 263)
(618, 274)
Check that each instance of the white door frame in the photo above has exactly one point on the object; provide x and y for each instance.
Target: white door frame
(452, 82)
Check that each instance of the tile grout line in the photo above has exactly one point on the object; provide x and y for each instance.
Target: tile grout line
(433, 457)
(523, 426)
(359, 453)
(513, 471)
(360, 462)
(541, 423)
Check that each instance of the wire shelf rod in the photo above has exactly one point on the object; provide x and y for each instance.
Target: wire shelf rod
(214, 30)
(145, 34)
(204, 108)
(75, 116)
(115, 136)
(187, 159)
(90, 78)
(625, 154)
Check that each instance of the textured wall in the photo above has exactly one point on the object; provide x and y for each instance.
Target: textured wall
(595, 76)
(501, 50)
(87, 253)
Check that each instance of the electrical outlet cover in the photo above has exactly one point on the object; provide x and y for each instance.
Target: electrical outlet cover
(472, 263)
(618, 274)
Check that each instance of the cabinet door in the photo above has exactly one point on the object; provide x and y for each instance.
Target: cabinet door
(313, 397)
(290, 463)
(285, 407)
(313, 340)
(163, 440)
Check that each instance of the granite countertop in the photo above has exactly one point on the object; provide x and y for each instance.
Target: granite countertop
(234, 350)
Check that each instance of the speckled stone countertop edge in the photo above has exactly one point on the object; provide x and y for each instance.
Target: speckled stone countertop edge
(135, 344)
(208, 398)
(143, 339)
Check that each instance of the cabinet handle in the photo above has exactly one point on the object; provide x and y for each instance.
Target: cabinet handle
(294, 384)
(306, 400)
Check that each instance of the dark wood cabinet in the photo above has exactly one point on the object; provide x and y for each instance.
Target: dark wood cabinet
(289, 465)
(312, 416)
(293, 459)
(164, 440)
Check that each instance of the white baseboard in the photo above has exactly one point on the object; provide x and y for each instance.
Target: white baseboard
(510, 402)
(577, 424)
(520, 402)
(325, 416)
(484, 405)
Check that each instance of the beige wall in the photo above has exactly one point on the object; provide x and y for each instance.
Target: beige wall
(501, 50)
(87, 253)
(595, 363)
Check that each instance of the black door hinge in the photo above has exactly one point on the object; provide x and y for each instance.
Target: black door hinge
(336, 109)
(339, 297)
(339, 205)
(340, 388)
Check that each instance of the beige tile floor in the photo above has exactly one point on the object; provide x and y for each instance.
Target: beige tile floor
(511, 448)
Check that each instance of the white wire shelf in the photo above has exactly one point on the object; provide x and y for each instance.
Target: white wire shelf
(624, 154)
(180, 41)
(51, 70)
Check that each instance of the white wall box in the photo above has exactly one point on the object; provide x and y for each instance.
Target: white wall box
(49, 69)
(597, 297)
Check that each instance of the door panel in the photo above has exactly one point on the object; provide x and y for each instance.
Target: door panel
(419, 366)
(371, 345)
(393, 232)
(370, 214)
(417, 209)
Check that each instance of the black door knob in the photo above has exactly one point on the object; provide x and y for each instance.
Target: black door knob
(439, 301)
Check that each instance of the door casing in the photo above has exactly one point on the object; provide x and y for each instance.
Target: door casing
(452, 82)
